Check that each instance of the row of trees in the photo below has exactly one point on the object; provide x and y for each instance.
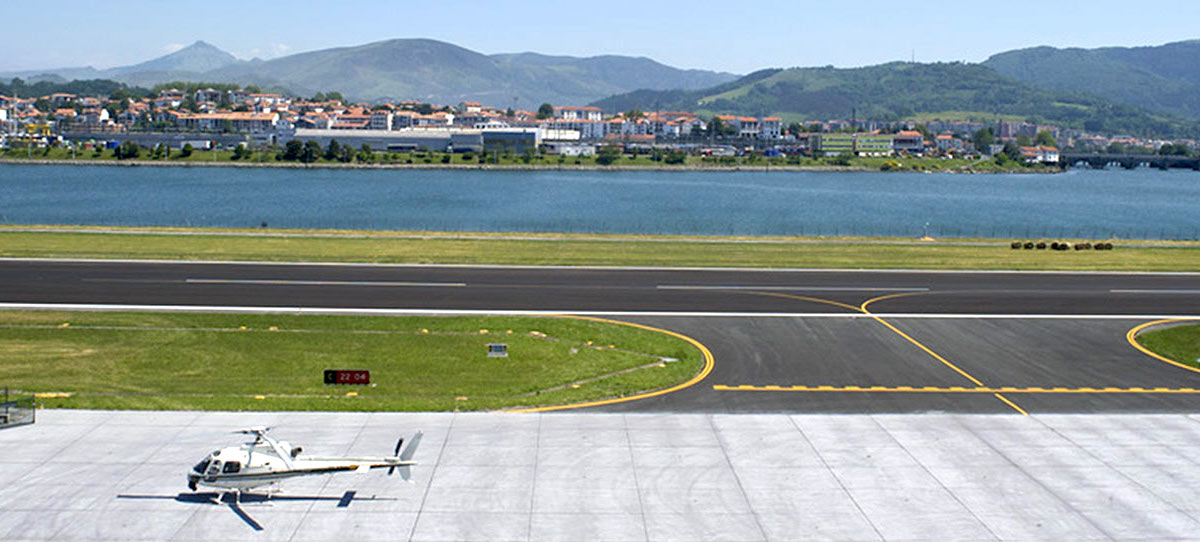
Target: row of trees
(310, 151)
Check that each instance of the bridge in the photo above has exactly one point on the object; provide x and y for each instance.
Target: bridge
(1130, 161)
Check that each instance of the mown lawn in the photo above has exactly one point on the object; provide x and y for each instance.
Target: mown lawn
(276, 362)
(603, 251)
(1180, 343)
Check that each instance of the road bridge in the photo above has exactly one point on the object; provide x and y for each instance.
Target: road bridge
(1131, 161)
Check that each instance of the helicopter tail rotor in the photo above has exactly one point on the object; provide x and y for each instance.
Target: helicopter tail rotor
(399, 443)
(405, 455)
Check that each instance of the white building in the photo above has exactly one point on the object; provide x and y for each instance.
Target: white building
(578, 113)
(380, 120)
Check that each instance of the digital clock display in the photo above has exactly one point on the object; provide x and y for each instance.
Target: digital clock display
(357, 377)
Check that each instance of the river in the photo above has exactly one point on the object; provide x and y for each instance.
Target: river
(1143, 204)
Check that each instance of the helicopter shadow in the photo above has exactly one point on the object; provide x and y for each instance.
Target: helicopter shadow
(235, 502)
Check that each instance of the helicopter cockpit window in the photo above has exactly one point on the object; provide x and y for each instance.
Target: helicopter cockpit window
(232, 467)
(202, 466)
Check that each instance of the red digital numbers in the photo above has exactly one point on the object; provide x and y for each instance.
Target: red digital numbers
(348, 377)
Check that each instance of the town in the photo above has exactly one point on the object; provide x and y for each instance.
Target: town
(207, 117)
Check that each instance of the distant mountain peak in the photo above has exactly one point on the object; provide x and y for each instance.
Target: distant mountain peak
(201, 44)
(198, 57)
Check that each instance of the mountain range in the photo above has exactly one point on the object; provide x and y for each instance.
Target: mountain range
(1164, 79)
(419, 69)
(1150, 91)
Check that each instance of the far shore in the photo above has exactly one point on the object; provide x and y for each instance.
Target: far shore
(494, 167)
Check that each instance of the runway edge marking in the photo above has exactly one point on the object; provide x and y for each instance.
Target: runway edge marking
(709, 363)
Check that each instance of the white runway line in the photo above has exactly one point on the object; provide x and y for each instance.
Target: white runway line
(1168, 292)
(371, 311)
(280, 282)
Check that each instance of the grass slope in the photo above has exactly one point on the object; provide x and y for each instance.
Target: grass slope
(275, 362)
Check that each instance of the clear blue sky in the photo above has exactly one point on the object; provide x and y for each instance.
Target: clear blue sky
(729, 36)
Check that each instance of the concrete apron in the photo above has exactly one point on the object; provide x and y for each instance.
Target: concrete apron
(102, 475)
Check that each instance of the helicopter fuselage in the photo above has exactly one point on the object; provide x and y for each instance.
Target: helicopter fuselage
(267, 461)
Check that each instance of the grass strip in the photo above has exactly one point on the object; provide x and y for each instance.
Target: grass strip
(423, 159)
(592, 251)
(276, 362)
(1180, 343)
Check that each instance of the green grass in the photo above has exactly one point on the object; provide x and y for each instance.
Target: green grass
(1180, 343)
(965, 116)
(208, 361)
(379, 247)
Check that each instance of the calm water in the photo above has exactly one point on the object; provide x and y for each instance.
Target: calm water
(1081, 203)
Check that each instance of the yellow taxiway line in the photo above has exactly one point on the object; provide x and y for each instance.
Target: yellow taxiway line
(708, 367)
(864, 310)
(1131, 336)
(959, 389)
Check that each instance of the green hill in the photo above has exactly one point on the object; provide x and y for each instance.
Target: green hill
(1163, 79)
(899, 91)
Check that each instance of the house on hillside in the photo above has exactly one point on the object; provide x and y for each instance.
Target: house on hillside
(909, 141)
(578, 113)
(207, 95)
(949, 143)
(169, 99)
(1039, 155)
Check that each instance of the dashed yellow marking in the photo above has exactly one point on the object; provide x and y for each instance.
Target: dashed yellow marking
(958, 389)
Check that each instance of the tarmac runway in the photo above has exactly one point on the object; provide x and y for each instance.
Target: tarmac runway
(783, 340)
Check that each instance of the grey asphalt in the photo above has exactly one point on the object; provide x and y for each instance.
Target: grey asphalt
(998, 352)
(597, 289)
(742, 324)
(120, 476)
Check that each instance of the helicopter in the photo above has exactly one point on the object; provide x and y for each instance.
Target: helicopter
(268, 461)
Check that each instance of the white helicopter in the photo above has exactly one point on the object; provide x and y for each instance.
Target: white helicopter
(267, 461)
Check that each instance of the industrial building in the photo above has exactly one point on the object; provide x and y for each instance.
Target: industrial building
(431, 139)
